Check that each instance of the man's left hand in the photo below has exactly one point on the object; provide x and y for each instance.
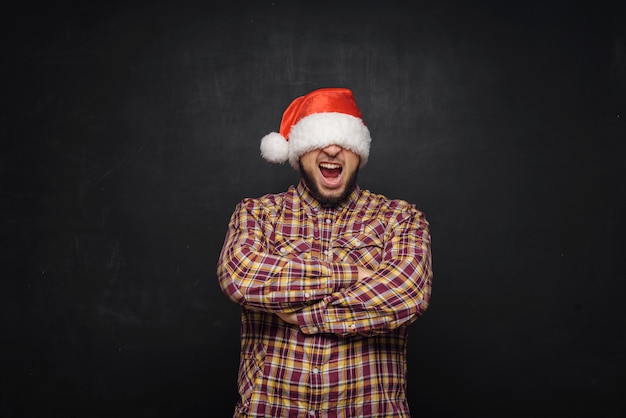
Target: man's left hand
(290, 318)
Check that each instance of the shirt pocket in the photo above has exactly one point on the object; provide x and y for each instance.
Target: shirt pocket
(364, 250)
(293, 248)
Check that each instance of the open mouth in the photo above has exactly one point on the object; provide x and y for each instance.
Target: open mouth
(331, 172)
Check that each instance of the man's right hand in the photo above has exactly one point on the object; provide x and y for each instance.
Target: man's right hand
(363, 272)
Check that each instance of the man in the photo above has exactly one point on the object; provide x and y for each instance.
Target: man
(328, 275)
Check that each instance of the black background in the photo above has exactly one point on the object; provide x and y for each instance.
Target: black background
(131, 129)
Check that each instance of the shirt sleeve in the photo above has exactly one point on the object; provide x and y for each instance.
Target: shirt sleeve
(250, 275)
(395, 295)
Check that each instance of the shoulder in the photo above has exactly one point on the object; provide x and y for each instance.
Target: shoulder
(388, 206)
(268, 202)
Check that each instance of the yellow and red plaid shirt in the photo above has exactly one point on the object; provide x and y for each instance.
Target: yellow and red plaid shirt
(347, 356)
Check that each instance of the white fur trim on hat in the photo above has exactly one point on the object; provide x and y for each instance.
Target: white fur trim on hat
(320, 130)
(274, 148)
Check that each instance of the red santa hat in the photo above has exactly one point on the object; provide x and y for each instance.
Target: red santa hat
(323, 117)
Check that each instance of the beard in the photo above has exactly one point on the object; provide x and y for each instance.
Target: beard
(326, 200)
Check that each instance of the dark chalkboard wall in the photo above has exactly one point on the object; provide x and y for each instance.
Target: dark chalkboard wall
(131, 129)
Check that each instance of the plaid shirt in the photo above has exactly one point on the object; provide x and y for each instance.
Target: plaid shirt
(347, 355)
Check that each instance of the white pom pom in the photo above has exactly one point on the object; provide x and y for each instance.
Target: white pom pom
(274, 148)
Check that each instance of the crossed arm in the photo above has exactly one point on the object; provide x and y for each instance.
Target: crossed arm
(292, 318)
(338, 297)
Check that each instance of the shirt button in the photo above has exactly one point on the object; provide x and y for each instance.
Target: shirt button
(313, 329)
(307, 295)
(283, 250)
(316, 370)
(328, 221)
(312, 413)
(353, 327)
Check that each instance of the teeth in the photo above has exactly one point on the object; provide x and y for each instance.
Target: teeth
(330, 166)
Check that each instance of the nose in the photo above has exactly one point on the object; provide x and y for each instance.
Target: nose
(332, 150)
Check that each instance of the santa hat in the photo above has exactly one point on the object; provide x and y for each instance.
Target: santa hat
(323, 117)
